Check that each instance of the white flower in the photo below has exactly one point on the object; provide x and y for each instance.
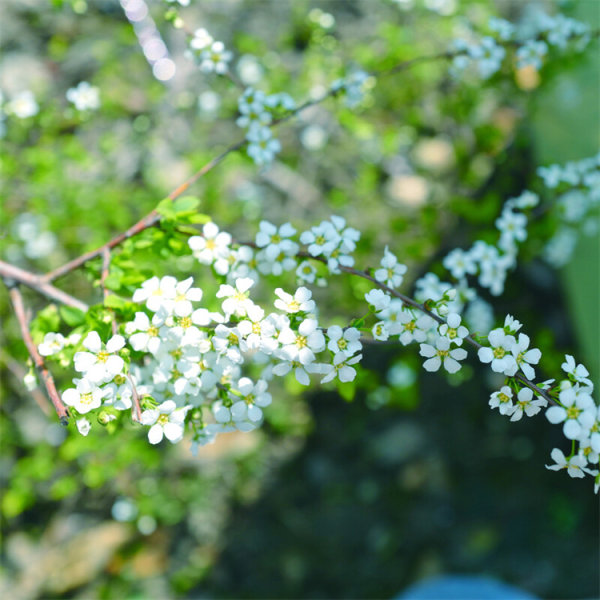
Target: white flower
(341, 368)
(274, 240)
(119, 394)
(345, 341)
(157, 293)
(185, 294)
(84, 397)
(378, 299)
(502, 400)
(500, 353)
(83, 426)
(201, 39)
(143, 334)
(300, 346)
(511, 325)
(237, 299)
(525, 357)
(299, 302)
(576, 372)
(84, 96)
(504, 29)
(453, 330)
(100, 364)
(488, 56)
(165, 420)
(512, 226)
(52, 344)
(578, 412)
(574, 465)
(322, 239)
(306, 272)
(459, 263)
(391, 272)
(23, 105)
(215, 58)
(258, 332)
(412, 327)
(531, 53)
(252, 109)
(263, 146)
(254, 398)
(587, 451)
(212, 246)
(441, 354)
(380, 331)
(526, 404)
(30, 381)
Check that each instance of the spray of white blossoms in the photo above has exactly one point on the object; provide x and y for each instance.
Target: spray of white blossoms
(194, 364)
(202, 365)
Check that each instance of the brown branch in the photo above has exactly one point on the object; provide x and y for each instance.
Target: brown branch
(136, 411)
(39, 284)
(19, 308)
(150, 220)
(153, 218)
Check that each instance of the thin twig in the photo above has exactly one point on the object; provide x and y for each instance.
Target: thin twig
(150, 220)
(136, 412)
(39, 284)
(19, 308)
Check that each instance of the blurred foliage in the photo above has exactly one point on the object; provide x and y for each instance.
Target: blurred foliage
(328, 498)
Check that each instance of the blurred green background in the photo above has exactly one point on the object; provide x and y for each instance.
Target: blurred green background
(347, 493)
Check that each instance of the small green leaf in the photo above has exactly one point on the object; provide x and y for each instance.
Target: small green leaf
(165, 208)
(72, 316)
(186, 205)
(113, 301)
(199, 218)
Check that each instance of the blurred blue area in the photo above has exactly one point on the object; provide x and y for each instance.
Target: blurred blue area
(463, 587)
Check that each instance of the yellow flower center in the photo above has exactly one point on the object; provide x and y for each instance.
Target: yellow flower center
(293, 306)
(210, 244)
(153, 331)
(499, 352)
(87, 398)
(573, 412)
(343, 344)
(410, 326)
(163, 419)
(276, 239)
(185, 322)
(102, 356)
(256, 328)
(301, 341)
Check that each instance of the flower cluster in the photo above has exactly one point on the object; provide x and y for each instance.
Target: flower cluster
(84, 96)
(354, 87)
(256, 113)
(573, 405)
(210, 55)
(578, 186)
(535, 38)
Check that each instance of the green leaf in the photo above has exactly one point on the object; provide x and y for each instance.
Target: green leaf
(165, 208)
(186, 205)
(72, 316)
(113, 301)
(199, 218)
(46, 320)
